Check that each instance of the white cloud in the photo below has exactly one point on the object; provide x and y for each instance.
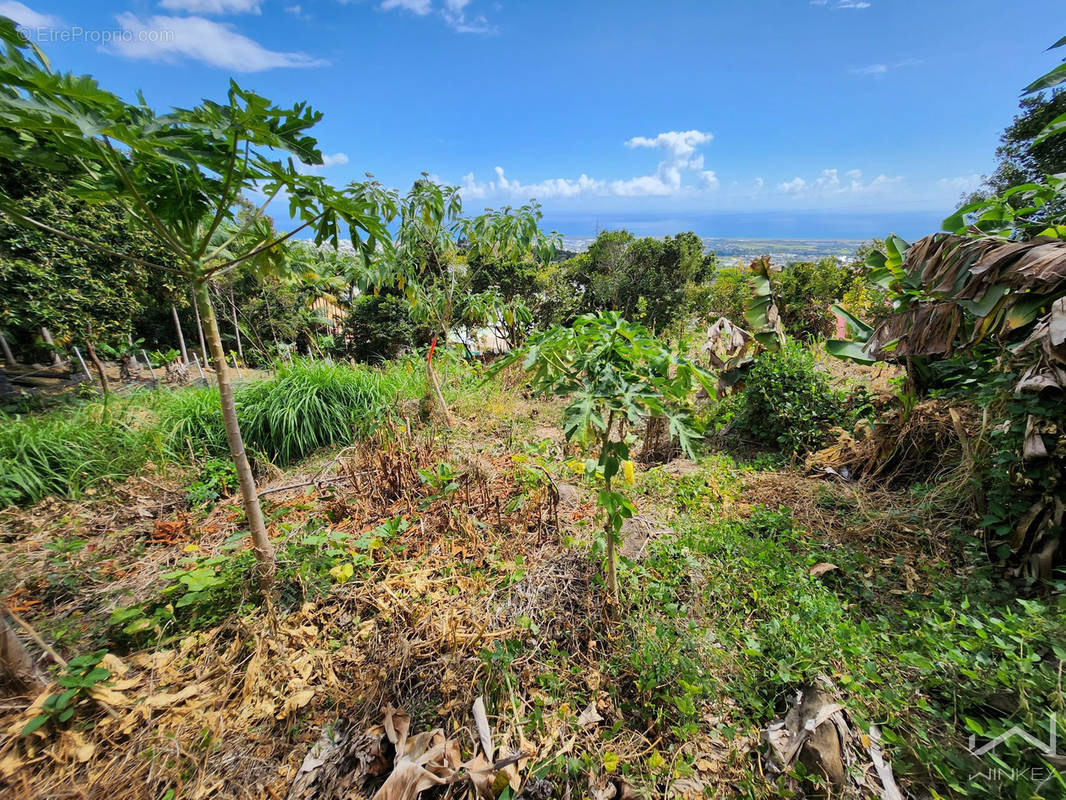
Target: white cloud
(297, 11)
(856, 4)
(794, 186)
(963, 184)
(24, 15)
(453, 12)
(829, 183)
(328, 160)
(877, 70)
(681, 159)
(419, 7)
(212, 6)
(172, 39)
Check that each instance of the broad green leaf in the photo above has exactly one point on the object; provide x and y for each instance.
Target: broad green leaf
(851, 350)
(862, 330)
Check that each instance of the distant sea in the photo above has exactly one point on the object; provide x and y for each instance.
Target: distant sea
(751, 224)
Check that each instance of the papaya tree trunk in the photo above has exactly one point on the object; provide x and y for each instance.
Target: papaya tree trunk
(436, 396)
(181, 336)
(9, 357)
(264, 550)
(612, 565)
(612, 536)
(200, 328)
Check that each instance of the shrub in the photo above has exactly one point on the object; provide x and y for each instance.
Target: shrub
(378, 328)
(805, 290)
(787, 401)
(726, 296)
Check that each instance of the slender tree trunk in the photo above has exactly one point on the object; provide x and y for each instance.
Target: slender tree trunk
(612, 566)
(236, 327)
(435, 393)
(98, 365)
(200, 328)
(47, 336)
(9, 357)
(264, 550)
(16, 663)
(612, 535)
(181, 336)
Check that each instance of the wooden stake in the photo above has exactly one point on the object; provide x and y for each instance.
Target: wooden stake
(81, 360)
(198, 367)
(148, 363)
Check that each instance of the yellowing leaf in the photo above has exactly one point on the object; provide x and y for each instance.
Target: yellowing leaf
(343, 572)
(610, 762)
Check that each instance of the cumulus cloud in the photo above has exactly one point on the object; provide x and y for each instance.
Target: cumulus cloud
(794, 186)
(419, 7)
(453, 12)
(212, 6)
(829, 183)
(24, 15)
(681, 160)
(173, 39)
(963, 184)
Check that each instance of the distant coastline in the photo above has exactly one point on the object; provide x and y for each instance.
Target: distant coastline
(749, 226)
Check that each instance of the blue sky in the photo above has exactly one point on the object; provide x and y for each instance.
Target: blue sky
(619, 107)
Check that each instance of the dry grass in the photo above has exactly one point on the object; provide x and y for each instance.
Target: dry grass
(231, 711)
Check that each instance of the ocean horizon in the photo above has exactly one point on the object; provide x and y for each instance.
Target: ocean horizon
(857, 226)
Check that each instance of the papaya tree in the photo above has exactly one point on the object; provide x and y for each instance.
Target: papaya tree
(180, 177)
(430, 261)
(615, 375)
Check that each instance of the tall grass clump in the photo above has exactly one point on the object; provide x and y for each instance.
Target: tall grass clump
(67, 451)
(304, 407)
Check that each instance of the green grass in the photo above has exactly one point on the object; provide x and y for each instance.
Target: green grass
(728, 610)
(304, 407)
(67, 451)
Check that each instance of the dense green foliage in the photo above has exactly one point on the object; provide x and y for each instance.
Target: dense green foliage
(805, 290)
(727, 295)
(645, 280)
(377, 328)
(788, 401)
(47, 281)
